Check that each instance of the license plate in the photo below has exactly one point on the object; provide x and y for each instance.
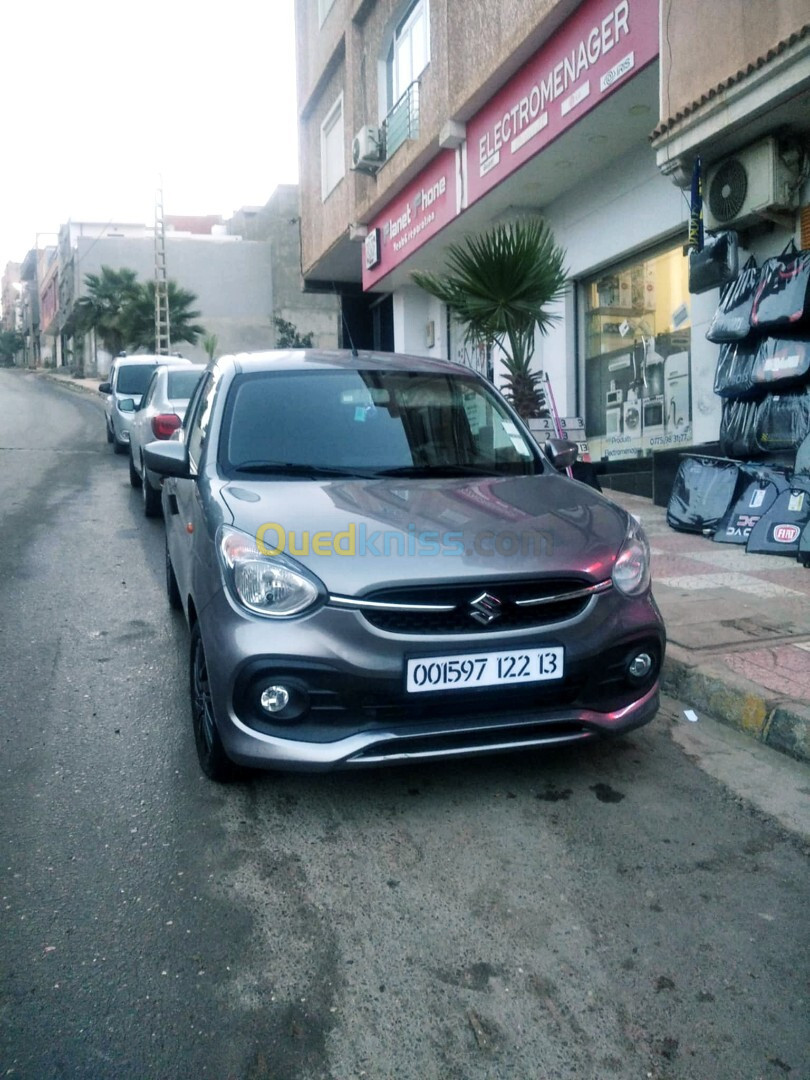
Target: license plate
(466, 670)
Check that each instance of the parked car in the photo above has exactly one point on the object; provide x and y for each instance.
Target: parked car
(159, 414)
(378, 564)
(124, 387)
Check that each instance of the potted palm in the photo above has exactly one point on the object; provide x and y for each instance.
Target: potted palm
(499, 286)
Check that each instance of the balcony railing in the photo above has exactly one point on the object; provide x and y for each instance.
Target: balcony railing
(402, 122)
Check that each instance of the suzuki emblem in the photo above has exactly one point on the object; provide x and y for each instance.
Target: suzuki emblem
(485, 608)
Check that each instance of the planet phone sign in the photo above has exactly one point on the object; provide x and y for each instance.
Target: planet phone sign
(423, 208)
(603, 44)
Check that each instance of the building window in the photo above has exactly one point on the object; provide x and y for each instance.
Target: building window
(638, 386)
(410, 49)
(408, 56)
(324, 7)
(333, 165)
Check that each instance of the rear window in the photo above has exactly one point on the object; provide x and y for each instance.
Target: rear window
(182, 384)
(133, 378)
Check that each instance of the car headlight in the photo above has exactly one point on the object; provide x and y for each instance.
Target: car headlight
(631, 571)
(271, 586)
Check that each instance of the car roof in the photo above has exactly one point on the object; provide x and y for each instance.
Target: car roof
(145, 358)
(188, 366)
(337, 359)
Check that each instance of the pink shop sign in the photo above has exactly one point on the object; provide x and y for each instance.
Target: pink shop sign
(602, 45)
(421, 210)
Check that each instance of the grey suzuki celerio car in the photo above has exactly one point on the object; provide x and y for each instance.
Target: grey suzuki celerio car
(378, 564)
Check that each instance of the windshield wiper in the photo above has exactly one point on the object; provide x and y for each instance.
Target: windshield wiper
(437, 470)
(292, 468)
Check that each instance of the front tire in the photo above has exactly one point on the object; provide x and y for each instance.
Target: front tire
(110, 435)
(152, 507)
(214, 762)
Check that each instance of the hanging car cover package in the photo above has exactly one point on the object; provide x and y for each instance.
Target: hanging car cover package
(717, 262)
(760, 487)
(783, 421)
(732, 320)
(738, 429)
(783, 295)
(701, 493)
(781, 363)
(779, 530)
(734, 377)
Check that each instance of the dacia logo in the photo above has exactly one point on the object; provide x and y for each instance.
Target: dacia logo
(485, 608)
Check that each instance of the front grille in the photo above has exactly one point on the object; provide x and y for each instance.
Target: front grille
(461, 621)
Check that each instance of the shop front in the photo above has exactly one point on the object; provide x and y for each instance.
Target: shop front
(637, 357)
(567, 138)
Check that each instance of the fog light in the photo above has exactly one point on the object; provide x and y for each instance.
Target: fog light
(275, 698)
(640, 666)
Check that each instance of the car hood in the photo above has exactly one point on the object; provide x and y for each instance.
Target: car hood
(360, 534)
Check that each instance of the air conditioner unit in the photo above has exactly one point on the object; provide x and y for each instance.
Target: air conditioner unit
(367, 150)
(748, 186)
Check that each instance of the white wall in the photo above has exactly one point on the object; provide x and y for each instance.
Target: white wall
(413, 311)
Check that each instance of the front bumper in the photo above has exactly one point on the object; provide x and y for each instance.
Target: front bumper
(360, 714)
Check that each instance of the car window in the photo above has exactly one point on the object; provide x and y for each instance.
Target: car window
(133, 378)
(376, 420)
(198, 427)
(182, 384)
(150, 390)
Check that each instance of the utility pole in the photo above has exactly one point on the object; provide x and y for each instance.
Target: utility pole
(162, 333)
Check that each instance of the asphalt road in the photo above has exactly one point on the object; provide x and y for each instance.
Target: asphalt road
(607, 912)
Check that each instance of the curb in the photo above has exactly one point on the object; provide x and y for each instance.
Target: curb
(734, 701)
(72, 384)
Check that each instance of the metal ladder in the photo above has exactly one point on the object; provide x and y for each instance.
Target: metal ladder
(162, 332)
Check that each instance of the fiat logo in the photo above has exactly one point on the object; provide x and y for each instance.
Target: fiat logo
(786, 534)
(485, 608)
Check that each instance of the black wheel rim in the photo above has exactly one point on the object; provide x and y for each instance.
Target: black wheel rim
(203, 707)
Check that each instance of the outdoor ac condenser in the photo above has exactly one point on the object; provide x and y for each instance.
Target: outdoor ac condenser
(748, 186)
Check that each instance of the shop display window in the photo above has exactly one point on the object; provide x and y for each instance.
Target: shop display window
(637, 357)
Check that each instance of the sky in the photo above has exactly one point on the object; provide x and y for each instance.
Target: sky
(107, 100)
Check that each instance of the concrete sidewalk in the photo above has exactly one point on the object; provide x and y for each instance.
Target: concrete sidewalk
(738, 629)
(738, 625)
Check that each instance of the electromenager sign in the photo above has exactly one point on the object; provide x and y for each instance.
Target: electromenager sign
(425, 206)
(603, 44)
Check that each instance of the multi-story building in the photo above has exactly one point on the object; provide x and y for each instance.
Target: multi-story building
(278, 223)
(243, 272)
(10, 297)
(425, 121)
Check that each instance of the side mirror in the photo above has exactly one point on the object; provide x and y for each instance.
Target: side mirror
(562, 453)
(127, 404)
(167, 458)
(105, 388)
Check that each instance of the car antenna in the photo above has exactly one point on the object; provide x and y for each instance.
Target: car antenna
(345, 323)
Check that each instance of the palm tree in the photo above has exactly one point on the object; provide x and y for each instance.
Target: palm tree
(108, 295)
(499, 285)
(209, 343)
(138, 320)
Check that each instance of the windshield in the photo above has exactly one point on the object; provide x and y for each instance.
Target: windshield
(370, 422)
(133, 379)
(181, 384)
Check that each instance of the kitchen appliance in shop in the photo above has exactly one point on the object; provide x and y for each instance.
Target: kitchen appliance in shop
(631, 414)
(613, 409)
(652, 416)
(652, 409)
(676, 392)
